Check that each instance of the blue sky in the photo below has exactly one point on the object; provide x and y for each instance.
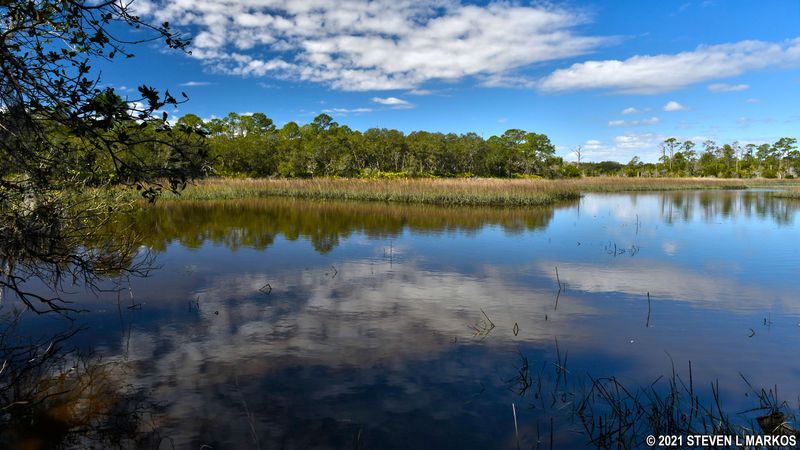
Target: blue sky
(614, 77)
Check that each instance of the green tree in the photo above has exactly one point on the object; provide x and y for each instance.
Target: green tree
(61, 133)
(690, 157)
(780, 150)
(633, 168)
(538, 155)
(668, 148)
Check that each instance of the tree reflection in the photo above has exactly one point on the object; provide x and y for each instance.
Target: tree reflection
(52, 396)
(256, 223)
(710, 206)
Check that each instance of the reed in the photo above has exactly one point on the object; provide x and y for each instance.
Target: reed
(611, 414)
(447, 191)
(793, 193)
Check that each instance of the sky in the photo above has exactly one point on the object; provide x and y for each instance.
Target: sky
(615, 78)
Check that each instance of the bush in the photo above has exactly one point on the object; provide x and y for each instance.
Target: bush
(569, 171)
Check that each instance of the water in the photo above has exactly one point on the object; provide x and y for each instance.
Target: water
(280, 323)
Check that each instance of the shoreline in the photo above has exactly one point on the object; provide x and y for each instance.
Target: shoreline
(456, 191)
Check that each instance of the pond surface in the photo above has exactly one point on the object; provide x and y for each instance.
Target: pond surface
(280, 323)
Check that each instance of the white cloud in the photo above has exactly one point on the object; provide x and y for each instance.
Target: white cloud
(724, 87)
(507, 81)
(394, 102)
(622, 148)
(374, 45)
(673, 106)
(634, 123)
(196, 83)
(752, 101)
(630, 110)
(346, 110)
(592, 143)
(637, 141)
(651, 74)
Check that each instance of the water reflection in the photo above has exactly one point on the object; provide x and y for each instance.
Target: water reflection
(711, 206)
(256, 223)
(55, 397)
(366, 336)
(636, 277)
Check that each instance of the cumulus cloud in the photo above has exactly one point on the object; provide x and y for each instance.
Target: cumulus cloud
(638, 141)
(673, 106)
(630, 110)
(394, 102)
(623, 147)
(724, 87)
(652, 74)
(362, 45)
(592, 143)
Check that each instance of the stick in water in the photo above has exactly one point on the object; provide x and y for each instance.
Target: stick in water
(516, 430)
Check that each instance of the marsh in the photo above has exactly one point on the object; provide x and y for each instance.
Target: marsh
(404, 326)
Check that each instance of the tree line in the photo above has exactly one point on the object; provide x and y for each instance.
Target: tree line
(252, 145)
(780, 159)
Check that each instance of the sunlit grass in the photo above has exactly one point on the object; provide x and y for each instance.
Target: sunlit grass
(488, 192)
(447, 191)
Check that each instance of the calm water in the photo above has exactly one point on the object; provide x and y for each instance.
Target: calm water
(377, 330)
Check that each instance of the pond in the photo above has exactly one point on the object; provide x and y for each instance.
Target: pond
(280, 323)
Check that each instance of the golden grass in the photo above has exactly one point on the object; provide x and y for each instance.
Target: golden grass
(447, 191)
(787, 193)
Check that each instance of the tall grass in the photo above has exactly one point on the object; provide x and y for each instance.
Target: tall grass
(787, 193)
(446, 191)
(482, 192)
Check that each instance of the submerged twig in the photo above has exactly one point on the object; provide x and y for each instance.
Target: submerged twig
(483, 327)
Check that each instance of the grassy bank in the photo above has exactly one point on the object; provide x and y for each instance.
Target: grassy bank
(788, 193)
(481, 192)
(447, 191)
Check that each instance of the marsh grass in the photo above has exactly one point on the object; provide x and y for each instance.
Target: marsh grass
(481, 192)
(792, 193)
(447, 191)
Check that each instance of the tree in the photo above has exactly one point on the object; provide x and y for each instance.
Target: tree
(633, 168)
(578, 151)
(781, 149)
(690, 156)
(668, 146)
(63, 138)
(538, 152)
(767, 161)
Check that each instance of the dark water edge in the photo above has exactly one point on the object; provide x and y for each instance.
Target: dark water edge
(280, 323)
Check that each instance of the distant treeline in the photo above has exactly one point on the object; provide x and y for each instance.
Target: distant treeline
(251, 145)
